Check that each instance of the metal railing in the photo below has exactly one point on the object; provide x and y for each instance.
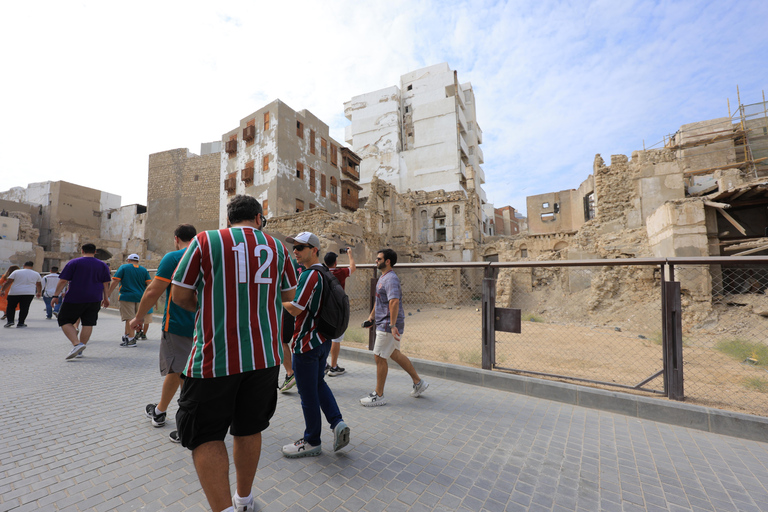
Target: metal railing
(690, 329)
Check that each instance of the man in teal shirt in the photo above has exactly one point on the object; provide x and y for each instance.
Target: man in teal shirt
(133, 280)
(178, 327)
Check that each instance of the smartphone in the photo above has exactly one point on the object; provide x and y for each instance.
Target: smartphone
(367, 323)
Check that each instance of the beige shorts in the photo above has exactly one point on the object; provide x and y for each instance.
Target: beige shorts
(385, 344)
(128, 310)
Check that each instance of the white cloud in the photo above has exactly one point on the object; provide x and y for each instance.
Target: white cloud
(92, 88)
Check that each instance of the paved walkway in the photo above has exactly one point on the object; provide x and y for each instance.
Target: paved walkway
(74, 437)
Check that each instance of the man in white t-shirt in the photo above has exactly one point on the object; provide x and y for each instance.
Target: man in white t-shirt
(49, 290)
(22, 285)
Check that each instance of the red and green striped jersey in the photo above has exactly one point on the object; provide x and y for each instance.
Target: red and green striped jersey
(239, 274)
(309, 296)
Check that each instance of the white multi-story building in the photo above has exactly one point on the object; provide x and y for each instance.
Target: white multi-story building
(420, 135)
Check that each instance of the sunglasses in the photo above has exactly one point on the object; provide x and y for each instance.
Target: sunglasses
(299, 248)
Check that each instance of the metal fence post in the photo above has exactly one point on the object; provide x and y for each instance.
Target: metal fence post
(488, 330)
(672, 336)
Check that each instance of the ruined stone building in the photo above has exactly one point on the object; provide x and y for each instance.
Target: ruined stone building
(54, 218)
(287, 160)
(422, 135)
(183, 188)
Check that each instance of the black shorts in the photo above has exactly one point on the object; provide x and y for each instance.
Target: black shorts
(289, 325)
(86, 312)
(243, 403)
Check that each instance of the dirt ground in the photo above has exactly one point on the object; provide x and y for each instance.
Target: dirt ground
(598, 353)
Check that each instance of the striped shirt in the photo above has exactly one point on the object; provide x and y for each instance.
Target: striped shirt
(309, 296)
(239, 274)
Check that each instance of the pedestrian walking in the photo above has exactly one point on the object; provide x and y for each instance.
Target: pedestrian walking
(4, 298)
(310, 353)
(236, 278)
(87, 281)
(341, 274)
(133, 280)
(49, 289)
(22, 286)
(388, 318)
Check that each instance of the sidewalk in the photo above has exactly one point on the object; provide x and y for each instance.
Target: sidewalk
(73, 436)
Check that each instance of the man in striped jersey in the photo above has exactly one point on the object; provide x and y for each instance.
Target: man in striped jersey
(310, 353)
(236, 278)
(178, 327)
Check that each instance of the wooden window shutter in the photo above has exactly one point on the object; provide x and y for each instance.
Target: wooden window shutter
(265, 163)
(266, 121)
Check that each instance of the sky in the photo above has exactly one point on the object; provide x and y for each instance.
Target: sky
(90, 89)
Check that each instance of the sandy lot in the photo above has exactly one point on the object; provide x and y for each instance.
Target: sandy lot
(596, 353)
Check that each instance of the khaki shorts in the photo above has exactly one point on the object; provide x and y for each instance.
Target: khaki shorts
(385, 344)
(174, 352)
(128, 310)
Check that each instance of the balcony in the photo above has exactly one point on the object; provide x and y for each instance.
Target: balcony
(479, 155)
(464, 146)
(463, 169)
(479, 133)
(479, 173)
(462, 121)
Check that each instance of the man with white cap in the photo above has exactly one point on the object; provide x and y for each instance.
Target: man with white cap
(133, 280)
(310, 353)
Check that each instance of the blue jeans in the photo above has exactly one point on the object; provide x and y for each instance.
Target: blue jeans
(309, 369)
(48, 310)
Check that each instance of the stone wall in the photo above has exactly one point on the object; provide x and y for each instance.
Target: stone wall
(183, 188)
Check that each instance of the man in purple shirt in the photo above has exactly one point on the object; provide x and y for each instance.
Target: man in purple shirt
(388, 318)
(88, 280)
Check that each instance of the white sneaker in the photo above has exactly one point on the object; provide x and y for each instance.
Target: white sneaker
(373, 400)
(242, 504)
(301, 448)
(340, 436)
(419, 388)
(75, 351)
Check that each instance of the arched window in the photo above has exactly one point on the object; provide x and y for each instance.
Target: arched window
(439, 225)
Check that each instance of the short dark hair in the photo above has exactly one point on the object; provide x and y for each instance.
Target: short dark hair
(88, 248)
(29, 263)
(390, 255)
(243, 207)
(54, 269)
(330, 259)
(185, 232)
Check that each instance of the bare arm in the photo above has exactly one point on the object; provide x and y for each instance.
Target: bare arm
(289, 307)
(351, 261)
(105, 302)
(39, 289)
(153, 292)
(112, 286)
(394, 309)
(60, 286)
(6, 286)
(185, 298)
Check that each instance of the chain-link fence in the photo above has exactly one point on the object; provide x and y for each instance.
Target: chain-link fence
(725, 354)
(596, 324)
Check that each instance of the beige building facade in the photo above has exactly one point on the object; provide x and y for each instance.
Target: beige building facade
(183, 188)
(288, 161)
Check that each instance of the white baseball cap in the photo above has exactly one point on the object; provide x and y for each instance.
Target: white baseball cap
(305, 237)
(133, 257)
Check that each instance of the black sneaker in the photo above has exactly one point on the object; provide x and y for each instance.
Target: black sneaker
(158, 420)
(9, 324)
(174, 436)
(336, 370)
(140, 335)
(20, 325)
(327, 368)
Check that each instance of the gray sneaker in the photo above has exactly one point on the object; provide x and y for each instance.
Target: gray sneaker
(75, 351)
(419, 388)
(340, 436)
(373, 400)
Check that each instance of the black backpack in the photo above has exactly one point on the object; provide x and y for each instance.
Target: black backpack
(333, 319)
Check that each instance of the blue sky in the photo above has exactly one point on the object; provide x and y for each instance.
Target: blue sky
(91, 88)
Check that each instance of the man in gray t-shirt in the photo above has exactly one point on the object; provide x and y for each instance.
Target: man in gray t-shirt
(388, 306)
